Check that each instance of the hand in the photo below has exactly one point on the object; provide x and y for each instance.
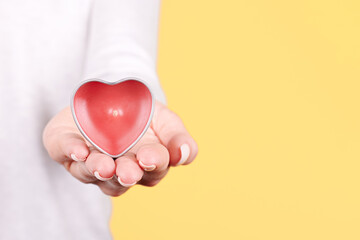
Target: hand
(166, 143)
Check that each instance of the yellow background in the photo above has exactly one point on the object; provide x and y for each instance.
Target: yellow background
(270, 91)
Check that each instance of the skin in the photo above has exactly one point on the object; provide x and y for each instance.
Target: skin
(146, 163)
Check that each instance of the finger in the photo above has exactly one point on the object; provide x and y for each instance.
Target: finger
(100, 165)
(62, 140)
(128, 170)
(173, 134)
(112, 187)
(183, 149)
(80, 171)
(71, 146)
(97, 166)
(150, 153)
(154, 160)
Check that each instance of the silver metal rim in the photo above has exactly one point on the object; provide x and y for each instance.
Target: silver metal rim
(112, 83)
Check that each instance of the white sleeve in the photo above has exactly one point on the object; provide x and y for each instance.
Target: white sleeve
(123, 42)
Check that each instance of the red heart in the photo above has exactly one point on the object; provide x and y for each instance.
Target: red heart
(112, 116)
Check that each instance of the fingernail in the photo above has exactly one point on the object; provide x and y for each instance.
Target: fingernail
(73, 157)
(125, 184)
(185, 153)
(147, 168)
(97, 175)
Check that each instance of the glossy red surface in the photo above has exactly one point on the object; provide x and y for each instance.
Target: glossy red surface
(113, 117)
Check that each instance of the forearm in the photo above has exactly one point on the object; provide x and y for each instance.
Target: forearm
(123, 42)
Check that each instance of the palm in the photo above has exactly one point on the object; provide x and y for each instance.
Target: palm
(166, 143)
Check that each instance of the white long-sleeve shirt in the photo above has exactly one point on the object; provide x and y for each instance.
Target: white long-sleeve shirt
(47, 47)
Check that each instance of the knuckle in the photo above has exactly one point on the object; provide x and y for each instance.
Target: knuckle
(151, 183)
(110, 188)
(114, 193)
(88, 181)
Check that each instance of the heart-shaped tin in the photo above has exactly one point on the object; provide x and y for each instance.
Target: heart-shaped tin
(112, 116)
